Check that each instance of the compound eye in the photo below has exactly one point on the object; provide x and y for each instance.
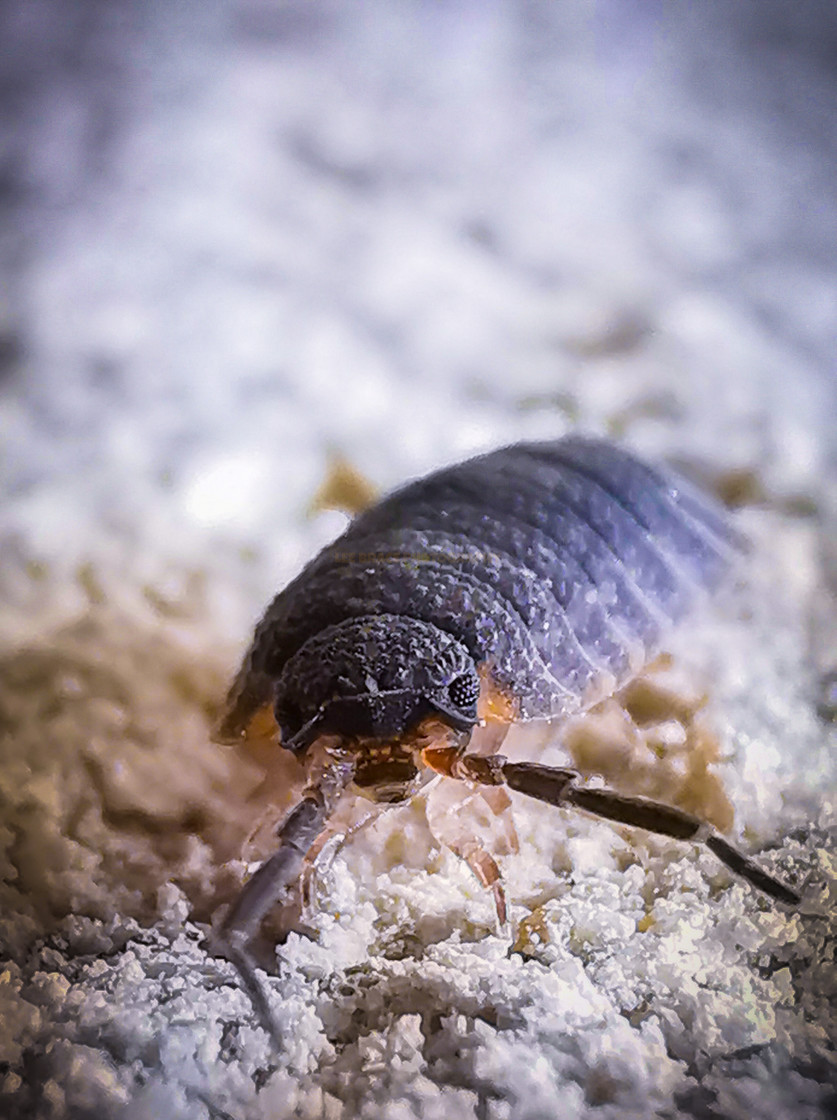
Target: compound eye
(464, 691)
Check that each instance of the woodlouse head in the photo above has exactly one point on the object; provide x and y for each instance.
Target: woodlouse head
(375, 678)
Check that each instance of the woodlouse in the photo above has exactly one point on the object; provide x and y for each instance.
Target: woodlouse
(525, 584)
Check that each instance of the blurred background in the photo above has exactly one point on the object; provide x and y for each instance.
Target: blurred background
(243, 242)
(239, 236)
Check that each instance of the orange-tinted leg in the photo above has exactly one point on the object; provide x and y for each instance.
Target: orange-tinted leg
(333, 836)
(454, 816)
(488, 873)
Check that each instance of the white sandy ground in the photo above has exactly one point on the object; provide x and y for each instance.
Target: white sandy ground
(240, 236)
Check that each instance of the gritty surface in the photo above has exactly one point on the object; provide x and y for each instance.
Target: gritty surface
(241, 239)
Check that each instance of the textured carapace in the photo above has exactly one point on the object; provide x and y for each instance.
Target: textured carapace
(522, 585)
(545, 572)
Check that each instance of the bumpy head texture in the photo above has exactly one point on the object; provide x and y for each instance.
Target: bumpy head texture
(375, 677)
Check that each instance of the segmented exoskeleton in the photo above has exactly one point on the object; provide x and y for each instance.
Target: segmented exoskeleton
(526, 584)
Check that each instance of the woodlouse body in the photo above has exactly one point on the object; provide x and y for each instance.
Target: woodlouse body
(526, 584)
(550, 570)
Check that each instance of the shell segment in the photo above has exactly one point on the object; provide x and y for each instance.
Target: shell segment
(371, 677)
